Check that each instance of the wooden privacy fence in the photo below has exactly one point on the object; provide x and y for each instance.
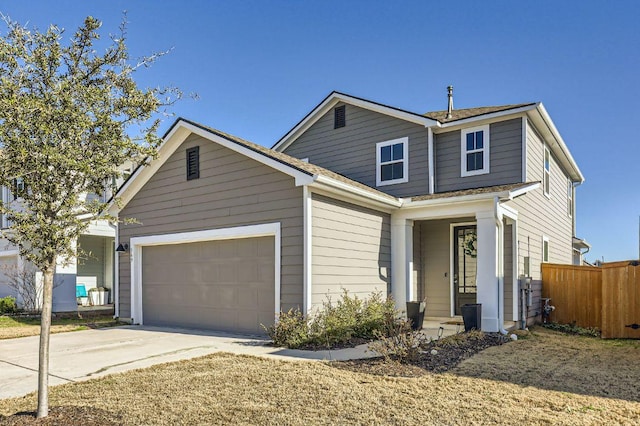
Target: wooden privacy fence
(607, 298)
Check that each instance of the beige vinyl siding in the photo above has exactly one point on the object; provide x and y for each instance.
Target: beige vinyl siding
(351, 150)
(232, 190)
(540, 215)
(351, 250)
(505, 158)
(436, 264)
(508, 273)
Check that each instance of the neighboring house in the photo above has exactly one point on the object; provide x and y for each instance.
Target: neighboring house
(94, 268)
(450, 206)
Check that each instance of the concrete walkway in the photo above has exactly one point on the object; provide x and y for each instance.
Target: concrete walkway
(84, 355)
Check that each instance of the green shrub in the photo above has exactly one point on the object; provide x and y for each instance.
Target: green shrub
(573, 329)
(8, 305)
(346, 321)
(291, 330)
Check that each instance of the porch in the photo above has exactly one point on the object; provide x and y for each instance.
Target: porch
(450, 253)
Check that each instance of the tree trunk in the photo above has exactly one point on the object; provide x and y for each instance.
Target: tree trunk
(45, 329)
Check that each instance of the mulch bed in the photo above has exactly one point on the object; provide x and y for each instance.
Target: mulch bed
(451, 351)
(65, 416)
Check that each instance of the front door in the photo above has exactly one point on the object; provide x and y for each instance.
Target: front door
(465, 256)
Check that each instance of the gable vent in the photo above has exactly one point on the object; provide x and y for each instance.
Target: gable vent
(339, 117)
(193, 163)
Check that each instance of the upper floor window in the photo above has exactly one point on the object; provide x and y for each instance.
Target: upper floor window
(475, 151)
(547, 171)
(570, 197)
(193, 163)
(18, 188)
(392, 161)
(339, 117)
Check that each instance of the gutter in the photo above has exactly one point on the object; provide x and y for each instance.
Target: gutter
(324, 182)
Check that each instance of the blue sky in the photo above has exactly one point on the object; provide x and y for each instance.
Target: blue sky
(259, 66)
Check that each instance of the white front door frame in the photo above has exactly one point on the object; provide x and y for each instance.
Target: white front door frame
(249, 231)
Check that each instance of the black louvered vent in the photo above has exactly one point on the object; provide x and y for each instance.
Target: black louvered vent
(193, 163)
(339, 118)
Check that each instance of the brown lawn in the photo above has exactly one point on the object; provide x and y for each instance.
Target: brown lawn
(546, 379)
(12, 327)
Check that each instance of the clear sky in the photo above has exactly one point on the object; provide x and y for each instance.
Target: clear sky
(258, 67)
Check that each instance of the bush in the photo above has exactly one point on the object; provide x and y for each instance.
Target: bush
(8, 305)
(402, 344)
(573, 329)
(291, 330)
(345, 322)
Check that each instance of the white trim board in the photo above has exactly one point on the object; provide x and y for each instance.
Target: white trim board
(137, 243)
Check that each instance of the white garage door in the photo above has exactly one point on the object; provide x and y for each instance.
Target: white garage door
(224, 285)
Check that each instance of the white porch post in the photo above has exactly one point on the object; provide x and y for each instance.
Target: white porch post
(488, 266)
(401, 261)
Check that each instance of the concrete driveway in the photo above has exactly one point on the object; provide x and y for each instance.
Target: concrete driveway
(84, 355)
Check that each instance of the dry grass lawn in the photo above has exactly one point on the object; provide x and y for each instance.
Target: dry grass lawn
(12, 327)
(546, 379)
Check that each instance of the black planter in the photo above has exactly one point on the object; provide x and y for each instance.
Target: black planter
(415, 313)
(472, 316)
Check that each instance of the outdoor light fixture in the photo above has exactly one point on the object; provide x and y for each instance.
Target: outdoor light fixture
(122, 248)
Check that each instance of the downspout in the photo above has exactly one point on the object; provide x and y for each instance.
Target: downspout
(498, 218)
(432, 174)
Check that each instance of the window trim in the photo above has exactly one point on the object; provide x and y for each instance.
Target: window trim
(191, 175)
(546, 240)
(405, 161)
(486, 150)
(546, 187)
(569, 197)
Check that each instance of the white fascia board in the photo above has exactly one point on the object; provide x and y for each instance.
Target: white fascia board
(521, 191)
(446, 127)
(334, 99)
(561, 147)
(324, 182)
(174, 139)
(455, 200)
(469, 208)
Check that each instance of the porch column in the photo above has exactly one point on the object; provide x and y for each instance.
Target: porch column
(401, 262)
(488, 286)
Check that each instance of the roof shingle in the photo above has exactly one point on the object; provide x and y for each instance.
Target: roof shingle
(461, 114)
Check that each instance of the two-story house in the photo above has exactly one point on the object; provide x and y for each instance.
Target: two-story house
(93, 268)
(450, 206)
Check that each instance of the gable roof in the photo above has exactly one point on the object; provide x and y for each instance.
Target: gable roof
(332, 100)
(461, 114)
(503, 191)
(303, 172)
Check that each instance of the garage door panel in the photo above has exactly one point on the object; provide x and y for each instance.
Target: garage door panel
(221, 285)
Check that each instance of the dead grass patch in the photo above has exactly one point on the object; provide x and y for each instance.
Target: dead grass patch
(13, 327)
(229, 389)
(556, 361)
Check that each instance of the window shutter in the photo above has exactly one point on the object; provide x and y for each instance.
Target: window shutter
(193, 163)
(339, 117)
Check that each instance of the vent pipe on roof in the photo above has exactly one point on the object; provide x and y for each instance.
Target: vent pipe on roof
(450, 106)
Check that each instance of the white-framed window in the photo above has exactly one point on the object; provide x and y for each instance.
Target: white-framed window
(545, 249)
(392, 161)
(569, 197)
(547, 171)
(474, 148)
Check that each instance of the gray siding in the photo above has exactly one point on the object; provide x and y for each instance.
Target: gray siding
(351, 150)
(232, 190)
(505, 164)
(91, 264)
(351, 250)
(540, 215)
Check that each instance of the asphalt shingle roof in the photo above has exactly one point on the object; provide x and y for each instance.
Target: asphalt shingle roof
(461, 114)
(473, 191)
